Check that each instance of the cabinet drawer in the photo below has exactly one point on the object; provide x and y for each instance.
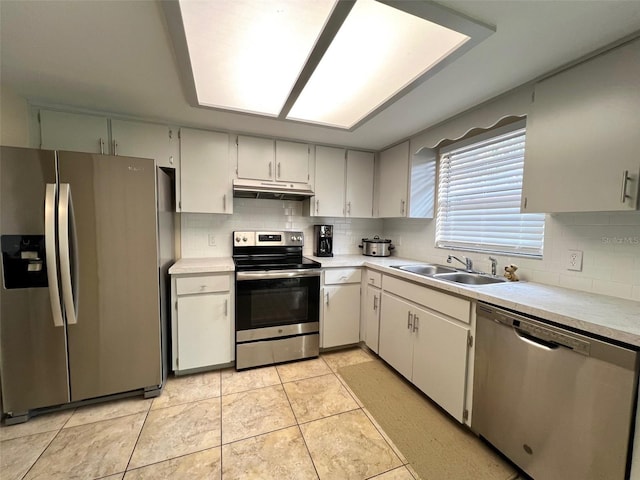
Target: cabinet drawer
(202, 284)
(342, 275)
(374, 278)
(455, 307)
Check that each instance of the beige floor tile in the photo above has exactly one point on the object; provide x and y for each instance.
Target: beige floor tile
(234, 382)
(108, 411)
(189, 388)
(351, 356)
(347, 446)
(117, 476)
(318, 397)
(251, 413)
(89, 451)
(396, 474)
(200, 465)
(175, 431)
(279, 455)
(17, 455)
(290, 372)
(40, 424)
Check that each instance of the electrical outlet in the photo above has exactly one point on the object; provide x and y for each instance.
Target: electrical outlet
(574, 260)
(212, 240)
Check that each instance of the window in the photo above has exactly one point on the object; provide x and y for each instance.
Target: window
(479, 193)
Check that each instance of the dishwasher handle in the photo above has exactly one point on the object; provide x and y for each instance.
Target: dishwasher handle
(534, 341)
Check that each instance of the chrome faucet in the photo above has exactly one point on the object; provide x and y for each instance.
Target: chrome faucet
(494, 266)
(468, 263)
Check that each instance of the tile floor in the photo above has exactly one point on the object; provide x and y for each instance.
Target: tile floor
(295, 421)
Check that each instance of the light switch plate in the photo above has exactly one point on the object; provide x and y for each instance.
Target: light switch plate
(212, 240)
(574, 260)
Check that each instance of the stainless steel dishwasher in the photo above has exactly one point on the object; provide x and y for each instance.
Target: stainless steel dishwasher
(559, 404)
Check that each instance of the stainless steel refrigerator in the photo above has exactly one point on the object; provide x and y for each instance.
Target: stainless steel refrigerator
(80, 303)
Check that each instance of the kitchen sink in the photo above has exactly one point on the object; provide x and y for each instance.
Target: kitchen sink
(469, 278)
(427, 270)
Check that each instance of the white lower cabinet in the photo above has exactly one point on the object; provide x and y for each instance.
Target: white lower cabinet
(202, 333)
(340, 323)
(429, 348)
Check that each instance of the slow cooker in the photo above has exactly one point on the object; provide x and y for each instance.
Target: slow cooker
(376, 247)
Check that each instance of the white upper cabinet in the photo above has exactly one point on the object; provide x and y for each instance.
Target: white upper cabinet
(583, 137)
(330, 182)
(393, 184)
(256, 158)
(74, 132)
(206, 185)
(292, 162)
(343, 183)
(146, 140)
(359, 187)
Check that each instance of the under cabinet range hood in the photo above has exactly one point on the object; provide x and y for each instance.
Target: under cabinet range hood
(271, 190)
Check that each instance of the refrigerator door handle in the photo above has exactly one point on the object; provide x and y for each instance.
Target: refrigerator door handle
(67, 236)
(50, 249)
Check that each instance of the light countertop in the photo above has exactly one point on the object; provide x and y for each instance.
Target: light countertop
(610, 317)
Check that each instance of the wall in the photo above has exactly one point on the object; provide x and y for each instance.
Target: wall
(610, 243)
(14, 126)
(251, 214)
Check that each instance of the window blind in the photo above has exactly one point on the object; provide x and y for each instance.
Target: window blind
(479, 196)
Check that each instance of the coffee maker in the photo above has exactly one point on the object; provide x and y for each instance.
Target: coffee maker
(323, 240)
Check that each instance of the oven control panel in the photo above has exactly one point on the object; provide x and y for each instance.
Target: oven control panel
(267, 239)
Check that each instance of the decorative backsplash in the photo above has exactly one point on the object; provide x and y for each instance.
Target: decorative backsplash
(253, 214)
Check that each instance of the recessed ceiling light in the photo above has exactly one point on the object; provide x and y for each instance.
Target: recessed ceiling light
(327, 62)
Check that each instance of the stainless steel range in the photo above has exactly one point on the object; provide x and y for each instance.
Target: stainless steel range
(277, 299)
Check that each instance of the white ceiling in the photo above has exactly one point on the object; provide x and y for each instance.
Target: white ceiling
(117, 57)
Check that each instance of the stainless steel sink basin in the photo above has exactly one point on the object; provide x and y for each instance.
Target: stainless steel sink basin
(428, 270)
(469, 278)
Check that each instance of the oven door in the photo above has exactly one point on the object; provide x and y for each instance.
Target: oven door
(277, 303)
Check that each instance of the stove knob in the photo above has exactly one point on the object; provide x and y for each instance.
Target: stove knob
(244, 239)
(237, 239)
(293, 238)
(299, 238)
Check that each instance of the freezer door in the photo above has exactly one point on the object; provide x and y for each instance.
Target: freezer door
(33, 366)
(111, 271)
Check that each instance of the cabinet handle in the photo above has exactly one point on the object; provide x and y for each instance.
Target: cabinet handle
(402, 202)
(416, 321)
(115, 147)
(226, 307)
(327, 298)
(278, 169)
(101, 146)
(224, 202)
(317, 206)
(375, 302)
(349, 208)
(625, 179)
(269, 169)
(409, 325)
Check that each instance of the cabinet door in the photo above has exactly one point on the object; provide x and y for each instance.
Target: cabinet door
(440, 361)
(205, 180)
(146, 140)
(292, 162)
(341, 318)
(204, 329)
(74, 132)
(396, 339)
(359, 191)
(329, 188)
(372, 318)
(582, 136)
(255, 158)
(394, 176)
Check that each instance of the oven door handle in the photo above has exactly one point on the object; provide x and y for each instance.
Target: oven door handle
(273, 274)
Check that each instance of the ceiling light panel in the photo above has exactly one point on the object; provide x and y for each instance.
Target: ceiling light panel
(378, 51)
(246, 55)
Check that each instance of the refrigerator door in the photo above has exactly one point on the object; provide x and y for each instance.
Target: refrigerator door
(110, 272)
(33, 354)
